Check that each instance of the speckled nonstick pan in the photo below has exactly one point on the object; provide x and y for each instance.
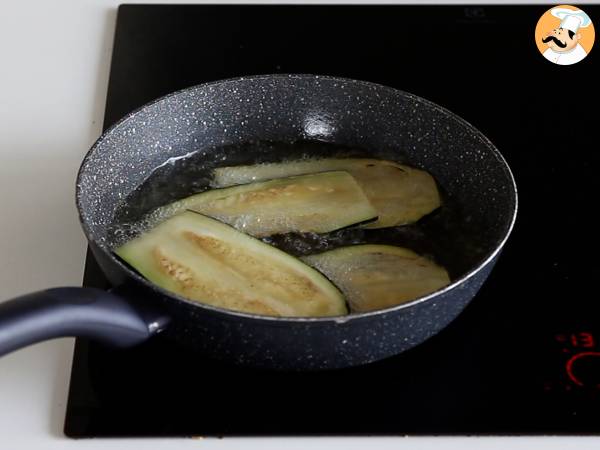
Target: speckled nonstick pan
(480, 204)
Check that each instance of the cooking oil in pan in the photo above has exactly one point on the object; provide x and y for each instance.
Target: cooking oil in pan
(440, 236)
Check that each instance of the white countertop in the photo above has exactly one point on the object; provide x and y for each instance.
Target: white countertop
(54, 62)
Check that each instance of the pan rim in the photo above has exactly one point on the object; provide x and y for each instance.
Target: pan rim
(303, 320)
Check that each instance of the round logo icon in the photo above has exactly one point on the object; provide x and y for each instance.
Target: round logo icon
(564, 35)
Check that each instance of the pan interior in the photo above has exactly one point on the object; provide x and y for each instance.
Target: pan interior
(168, 149)
(192, 173)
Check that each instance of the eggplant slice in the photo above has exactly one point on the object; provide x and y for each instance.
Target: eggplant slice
(400, 194)
(207, 261)
(317, 203)
(374, 277)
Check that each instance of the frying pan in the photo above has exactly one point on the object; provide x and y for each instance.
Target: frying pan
(214, 123)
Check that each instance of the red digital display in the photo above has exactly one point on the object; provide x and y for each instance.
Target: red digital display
(571, 372)
(581, 339)
(585, 340)
(582, 366)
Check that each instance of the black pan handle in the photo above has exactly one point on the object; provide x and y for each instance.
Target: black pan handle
(73, 311)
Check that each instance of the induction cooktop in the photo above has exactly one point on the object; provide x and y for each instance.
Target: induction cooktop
(524, 358)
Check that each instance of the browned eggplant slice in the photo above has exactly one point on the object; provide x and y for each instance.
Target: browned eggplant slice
(205, 260)
(400, 194)
(317, 203)
(379, 276)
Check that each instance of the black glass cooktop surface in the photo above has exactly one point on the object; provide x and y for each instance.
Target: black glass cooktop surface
(524, 358)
